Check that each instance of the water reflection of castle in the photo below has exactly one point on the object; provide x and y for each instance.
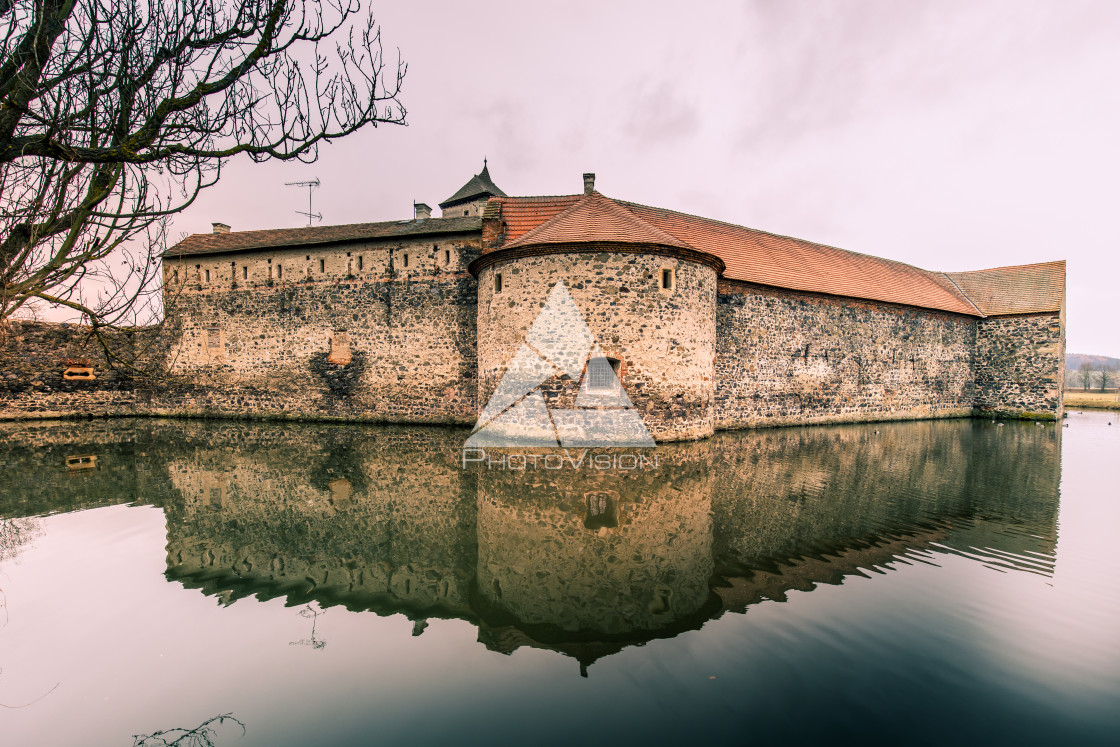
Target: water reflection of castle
(584, 563)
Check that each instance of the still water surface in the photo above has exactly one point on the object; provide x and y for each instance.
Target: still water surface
(919, 583)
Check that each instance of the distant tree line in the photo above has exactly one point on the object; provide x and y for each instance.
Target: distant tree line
(1102, 378)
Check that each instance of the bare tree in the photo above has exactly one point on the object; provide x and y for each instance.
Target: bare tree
(114, 114)
(1106, 376)
(1085, 373)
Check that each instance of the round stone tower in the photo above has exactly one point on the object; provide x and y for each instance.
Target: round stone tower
(648, 301)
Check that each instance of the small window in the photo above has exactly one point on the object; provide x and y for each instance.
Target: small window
(447, 256)
(405, 260)
(602, 374)
(466, 212)
(207, 276)
(668, 278)
(245, 272)
(175, 276)
(435, 248)
(280, 271)
(360, 263)
(213, 338)
(322, 265)
(497, 282)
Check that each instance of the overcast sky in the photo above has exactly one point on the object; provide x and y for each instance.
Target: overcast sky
(950, 135)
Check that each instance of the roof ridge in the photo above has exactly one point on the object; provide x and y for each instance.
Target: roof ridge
(783, 236)
(963, 294)
(538, 233)
(1008, 267)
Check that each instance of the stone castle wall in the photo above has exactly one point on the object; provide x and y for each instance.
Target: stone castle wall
(370, 332)
(1020, 365)
(786, 358)
(361, 333)
(663, 339)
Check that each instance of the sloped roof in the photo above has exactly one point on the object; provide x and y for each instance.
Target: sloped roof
(479, 185)
(750, 255)
(1024, 289)
(279, 238)
(595, 218)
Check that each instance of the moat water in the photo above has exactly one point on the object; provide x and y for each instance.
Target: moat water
(951, 582)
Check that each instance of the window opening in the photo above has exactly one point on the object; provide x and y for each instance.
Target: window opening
(447, 256)
(602, 374)
(207, 276)
(667, 278)
(361, 263)
(405, 260)
(322, 265)
(497, 282)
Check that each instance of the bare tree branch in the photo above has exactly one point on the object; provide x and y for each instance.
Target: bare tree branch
(115, 114)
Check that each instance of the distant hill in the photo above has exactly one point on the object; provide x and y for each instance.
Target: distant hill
(1096, 362)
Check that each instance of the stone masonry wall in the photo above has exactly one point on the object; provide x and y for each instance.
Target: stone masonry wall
(372, 340)
(370, 332)
(663, 339)
(1020, 366)
(786, 358)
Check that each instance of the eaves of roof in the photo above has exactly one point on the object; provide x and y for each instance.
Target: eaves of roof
(287, 238)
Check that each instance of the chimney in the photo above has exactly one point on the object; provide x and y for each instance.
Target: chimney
(588, 183)
(422, 211)
(220, 227)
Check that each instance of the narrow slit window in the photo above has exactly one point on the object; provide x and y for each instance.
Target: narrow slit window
(405, 260)
(497, 282)
(207, 276)
(175, 277)
(668, 279)
(245, 272)
(322, 265)
(447, 256)
(280, 272)
(361, 263)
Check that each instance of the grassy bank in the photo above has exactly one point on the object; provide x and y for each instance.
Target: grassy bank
(1093, 400)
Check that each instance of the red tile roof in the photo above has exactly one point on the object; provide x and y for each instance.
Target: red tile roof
(1024, 289)
(750, 255)
(241, 241)
(595, 218)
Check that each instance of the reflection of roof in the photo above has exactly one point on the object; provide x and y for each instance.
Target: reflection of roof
(763, 258)
(1014, 290)
(280, 238)
(479, 185)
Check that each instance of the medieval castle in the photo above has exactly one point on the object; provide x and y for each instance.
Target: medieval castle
(706, 325)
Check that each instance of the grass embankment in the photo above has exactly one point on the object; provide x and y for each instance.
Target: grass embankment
(1092, 400)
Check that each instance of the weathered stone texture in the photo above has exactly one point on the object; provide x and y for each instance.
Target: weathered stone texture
(358, 333)
(785, 358)
(1020, 366)
(664, 340)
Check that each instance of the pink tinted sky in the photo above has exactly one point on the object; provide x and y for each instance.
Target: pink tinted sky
(950, 135)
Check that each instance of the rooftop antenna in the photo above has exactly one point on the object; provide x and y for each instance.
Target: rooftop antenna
(311, 185)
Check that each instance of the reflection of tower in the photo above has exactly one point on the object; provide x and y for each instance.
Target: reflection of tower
(592, 556)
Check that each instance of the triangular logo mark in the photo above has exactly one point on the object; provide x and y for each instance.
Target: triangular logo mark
(559, 341)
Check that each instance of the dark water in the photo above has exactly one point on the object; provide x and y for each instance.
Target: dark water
(946, 582)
